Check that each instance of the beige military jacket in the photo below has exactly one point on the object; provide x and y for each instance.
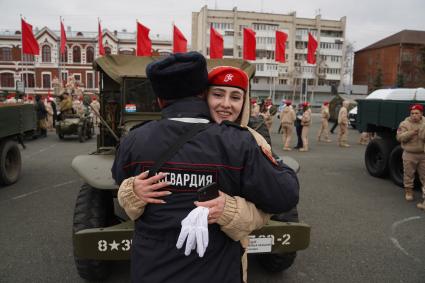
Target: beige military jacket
(411, 142)
(325, 112)
(287, 116)
(306, 118)
(343, 116)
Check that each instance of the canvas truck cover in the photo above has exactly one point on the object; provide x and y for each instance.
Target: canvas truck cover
(119, 66)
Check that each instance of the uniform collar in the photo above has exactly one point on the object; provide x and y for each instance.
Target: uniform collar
(191, 107)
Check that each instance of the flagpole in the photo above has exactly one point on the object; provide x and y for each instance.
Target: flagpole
(60, 54)
(22, 56)
(137, 38)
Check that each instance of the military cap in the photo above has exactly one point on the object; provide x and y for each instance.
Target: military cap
(228, 76)
(178, 75)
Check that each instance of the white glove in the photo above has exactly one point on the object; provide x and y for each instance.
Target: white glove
(195, 229)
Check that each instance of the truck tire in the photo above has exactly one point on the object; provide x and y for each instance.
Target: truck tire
(94, 208)
(395, 166)
(377, 155)
(10, 162)
(279, 262)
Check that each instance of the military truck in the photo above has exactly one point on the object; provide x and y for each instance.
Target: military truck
(16, 120)
(101, 231)
(381, 113)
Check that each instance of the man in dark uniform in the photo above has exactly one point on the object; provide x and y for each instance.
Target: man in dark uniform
(299, 126)
(222, 153)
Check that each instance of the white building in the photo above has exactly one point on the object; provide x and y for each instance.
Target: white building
(273, 79)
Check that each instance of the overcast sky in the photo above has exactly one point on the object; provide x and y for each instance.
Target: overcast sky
(367, 21)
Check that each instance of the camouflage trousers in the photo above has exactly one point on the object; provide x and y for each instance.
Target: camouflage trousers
(413, 162)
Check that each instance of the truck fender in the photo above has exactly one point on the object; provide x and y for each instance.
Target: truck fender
(95, 170)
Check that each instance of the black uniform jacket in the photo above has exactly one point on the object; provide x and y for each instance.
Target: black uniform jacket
(222, 153)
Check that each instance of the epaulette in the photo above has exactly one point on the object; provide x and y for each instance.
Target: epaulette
(236, 125)
(140, 124)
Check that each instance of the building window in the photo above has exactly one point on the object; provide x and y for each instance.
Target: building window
(46, 81)
(77, 77)
(5, 54)
(89, 81)
(255, 80)
(28, 58)
(127, 52)
(76, 54)
(89, 54)
(228, 52)
(29, 81)
(108, 51)
(46, 54)
(64, 56)
(7, 80)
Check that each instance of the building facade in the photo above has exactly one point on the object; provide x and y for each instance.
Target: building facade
(395, 61)
(35, 74)
(274, 79)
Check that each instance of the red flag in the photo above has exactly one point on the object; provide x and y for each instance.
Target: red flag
(179, 41)
(311, 49)
(144, 44)
(63, 39)
(281, 38)
(100, 42)
(249, 44)
(29, 43)
(216, 44)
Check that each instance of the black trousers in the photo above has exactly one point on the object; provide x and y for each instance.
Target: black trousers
(334, 126)
(299, 130)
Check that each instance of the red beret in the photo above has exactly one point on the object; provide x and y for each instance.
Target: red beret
(325, 102)
(228, 76)
(288, 102)
(253, 100)
(417, 107)
(305, 104)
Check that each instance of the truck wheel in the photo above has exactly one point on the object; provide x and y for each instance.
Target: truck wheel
(376, 157)
(10, 162)
(396, 166)
(279, 262)
(94, 208)
(81, 133)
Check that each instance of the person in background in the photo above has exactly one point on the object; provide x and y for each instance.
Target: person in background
(324, 127)
(41, 114)
(49, 110)
(95, 107)
(336, 111)
(65, 106)
(305, 122)
(299, 126)
(411, 135)
(343, 124)
(287, 119)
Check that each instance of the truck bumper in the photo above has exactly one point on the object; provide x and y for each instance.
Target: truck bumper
(114, 243)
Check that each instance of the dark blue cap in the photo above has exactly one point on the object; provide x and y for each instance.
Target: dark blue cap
(178, 75)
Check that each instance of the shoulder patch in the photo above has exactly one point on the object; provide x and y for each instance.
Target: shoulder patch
(139, 125)
(233, 124)
(267, 153)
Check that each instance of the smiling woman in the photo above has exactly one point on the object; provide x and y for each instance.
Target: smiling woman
(225, 103)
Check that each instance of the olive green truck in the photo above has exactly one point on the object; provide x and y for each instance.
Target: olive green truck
(101, 231)
(16, 120)
(381, 113)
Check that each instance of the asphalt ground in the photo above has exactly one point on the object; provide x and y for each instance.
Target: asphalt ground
(362, 228)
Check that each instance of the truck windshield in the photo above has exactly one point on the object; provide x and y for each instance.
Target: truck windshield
(139, 96)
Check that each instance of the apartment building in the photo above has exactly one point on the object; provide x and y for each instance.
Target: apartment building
(273, 79)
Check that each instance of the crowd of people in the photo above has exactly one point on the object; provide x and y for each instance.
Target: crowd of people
(50, 109)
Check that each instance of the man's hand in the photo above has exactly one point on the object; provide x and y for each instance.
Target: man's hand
(147, 189)
(215, 206)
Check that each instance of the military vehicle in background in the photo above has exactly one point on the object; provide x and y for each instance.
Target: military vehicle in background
(381, 113)
(80, 125)
(102, 232)
(16, 121)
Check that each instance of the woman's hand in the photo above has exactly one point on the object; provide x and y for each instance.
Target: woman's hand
(215, 206)
(147, 189)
